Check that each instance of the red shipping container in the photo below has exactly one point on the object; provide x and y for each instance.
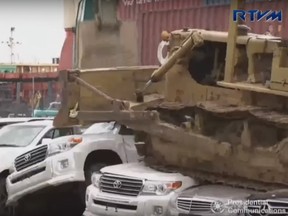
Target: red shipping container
(153, 16)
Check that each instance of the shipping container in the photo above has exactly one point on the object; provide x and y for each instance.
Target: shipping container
(154, 16)
(66, 57)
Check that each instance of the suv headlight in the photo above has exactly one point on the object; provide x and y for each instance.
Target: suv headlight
(95, 179)
(56, 148)
(160, 188)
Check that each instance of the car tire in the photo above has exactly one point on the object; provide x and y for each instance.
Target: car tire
(89, 170)
(93, 168)
(4, 210)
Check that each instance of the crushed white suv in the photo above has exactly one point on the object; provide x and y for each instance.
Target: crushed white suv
(210, 200)
(17, 138)
(133, 189)
(68, 160)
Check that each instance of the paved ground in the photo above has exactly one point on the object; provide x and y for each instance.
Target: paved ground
(54, 205)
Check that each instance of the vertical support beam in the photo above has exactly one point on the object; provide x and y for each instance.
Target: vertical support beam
(77, 48)
(33, 96)
(50, 93)
(232, 39)
(18, 91)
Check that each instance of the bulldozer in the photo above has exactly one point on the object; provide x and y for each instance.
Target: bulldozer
(215, 110)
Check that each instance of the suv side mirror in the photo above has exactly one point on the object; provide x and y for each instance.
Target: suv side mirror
(46, 141)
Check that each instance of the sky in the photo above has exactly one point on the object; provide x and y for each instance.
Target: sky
(39, 27)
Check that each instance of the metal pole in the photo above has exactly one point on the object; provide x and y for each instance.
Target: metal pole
(232, 39)
(11, 40)
(33, 95)
(76, 44)
(11, 44)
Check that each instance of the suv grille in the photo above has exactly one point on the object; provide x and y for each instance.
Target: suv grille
(273, 208)
(120, 185)
(30, 158)
(192, 205)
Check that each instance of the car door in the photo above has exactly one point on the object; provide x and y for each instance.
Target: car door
(128, 139)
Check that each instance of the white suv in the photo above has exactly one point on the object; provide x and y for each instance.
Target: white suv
(67, 160)
(8, 121)
(210, 200)
(133, 189)
(17, 138)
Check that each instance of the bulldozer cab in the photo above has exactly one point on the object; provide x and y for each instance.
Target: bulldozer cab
(258, 63)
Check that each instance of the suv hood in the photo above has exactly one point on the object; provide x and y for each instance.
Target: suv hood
(217, 192)
(140, 170)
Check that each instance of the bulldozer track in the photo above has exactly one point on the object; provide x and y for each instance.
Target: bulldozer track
(277, 119)
(209, 178)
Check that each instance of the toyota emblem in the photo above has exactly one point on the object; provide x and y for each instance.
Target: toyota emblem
(27, 157)
(265, 210)
(117, 184)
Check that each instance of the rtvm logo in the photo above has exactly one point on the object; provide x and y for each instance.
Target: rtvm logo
(257, 15)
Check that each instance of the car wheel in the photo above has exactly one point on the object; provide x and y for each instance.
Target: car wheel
(89, 170)
(4, 210)
(94, 168)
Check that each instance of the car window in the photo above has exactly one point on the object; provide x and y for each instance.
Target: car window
(58, 132)
(98, 128)
(54, 106)
(49, 134)
(77, 130)
(19, 136)
(63, 132)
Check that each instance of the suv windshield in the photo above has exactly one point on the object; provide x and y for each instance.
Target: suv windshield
(54, 106)
(99, 128)
(18, 136)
